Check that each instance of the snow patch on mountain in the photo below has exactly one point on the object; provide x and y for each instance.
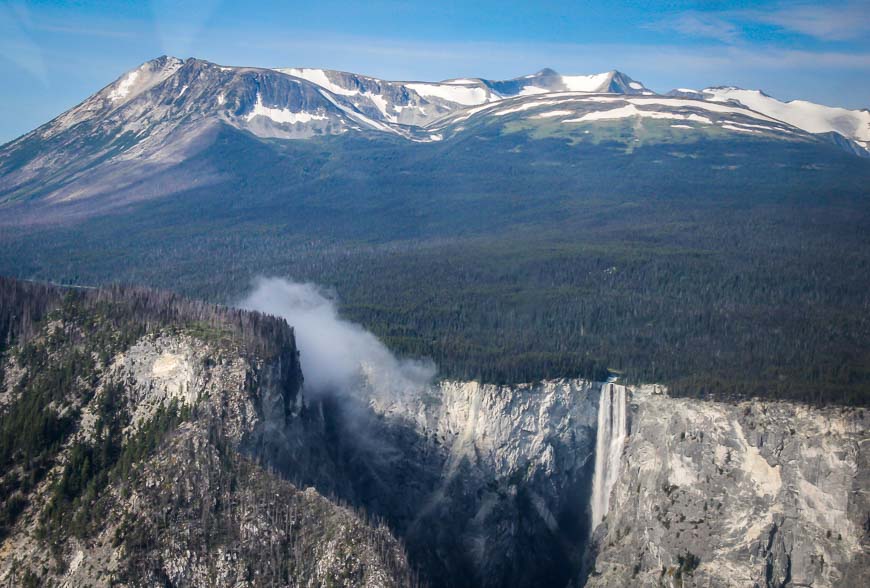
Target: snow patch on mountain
(532, 90)
(319, 77)
(554, 113)
(630, 110)
(731, 127)
(591, 83)
(524, 107)
(358, 116)
(282, 115)
(687, 103)
(460, 94)
(808, 116)
(123, 88)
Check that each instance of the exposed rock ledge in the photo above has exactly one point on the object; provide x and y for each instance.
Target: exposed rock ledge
(752, 494)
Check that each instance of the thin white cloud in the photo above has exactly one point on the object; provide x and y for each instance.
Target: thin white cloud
(505, 59)
(110, 33)
(179, 23)
(828, 23)
(837, 22)
(700, 25)
(16, 42)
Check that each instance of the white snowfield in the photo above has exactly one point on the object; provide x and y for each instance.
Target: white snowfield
(687, 103)
(591, 83)
(468, 95)
(282, 115)
(630, 110)
(554, 113)
(319, 77)
(532, 90)
(808, 116)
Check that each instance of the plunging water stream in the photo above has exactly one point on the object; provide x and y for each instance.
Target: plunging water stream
(608, 448)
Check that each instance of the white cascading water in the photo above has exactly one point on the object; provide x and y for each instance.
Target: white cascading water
(608, 448)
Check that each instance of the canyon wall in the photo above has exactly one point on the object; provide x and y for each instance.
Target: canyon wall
(749, 494)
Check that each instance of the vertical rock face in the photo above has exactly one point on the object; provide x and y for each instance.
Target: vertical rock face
(752, 494)
(487, 485)
(505, 485)
(610, 439)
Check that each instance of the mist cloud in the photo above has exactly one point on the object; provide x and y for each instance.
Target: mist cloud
(336, 355)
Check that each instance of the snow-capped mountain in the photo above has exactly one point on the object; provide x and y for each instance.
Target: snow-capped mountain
(547, 80)
(395, 102)
(419, 103)
(811, 117)
(836, 123)
(136, 113)
(572, 113)
(167, 111)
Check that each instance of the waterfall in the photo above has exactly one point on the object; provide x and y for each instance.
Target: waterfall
(608, 448)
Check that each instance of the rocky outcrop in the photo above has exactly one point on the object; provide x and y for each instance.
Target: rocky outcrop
(136, 464)
(493, 485)
(487, 485)
(750, 494)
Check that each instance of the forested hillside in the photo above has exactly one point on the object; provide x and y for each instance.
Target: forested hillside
(721, 266)
(127, 418)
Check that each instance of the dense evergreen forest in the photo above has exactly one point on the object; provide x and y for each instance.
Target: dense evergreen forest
(508, 259)
(66, 367)
(117, 315)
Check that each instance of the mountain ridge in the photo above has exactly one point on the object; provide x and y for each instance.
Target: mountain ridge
(167, 111)
(383, 105)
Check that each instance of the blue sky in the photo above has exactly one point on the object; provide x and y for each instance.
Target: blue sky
(55, 54)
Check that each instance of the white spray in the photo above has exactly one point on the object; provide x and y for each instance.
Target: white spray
(608, 448)
(336, 355)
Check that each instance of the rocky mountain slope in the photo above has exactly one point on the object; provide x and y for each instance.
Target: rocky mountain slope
(487, 485)
(420, 103)
(129, 138)
(126, 422)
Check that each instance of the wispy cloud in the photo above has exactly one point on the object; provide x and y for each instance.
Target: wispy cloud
(508, 58)
(16, 42)
(700, 25)
(179, 23)
(833, 22)
(828, 23)
(109, 33)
